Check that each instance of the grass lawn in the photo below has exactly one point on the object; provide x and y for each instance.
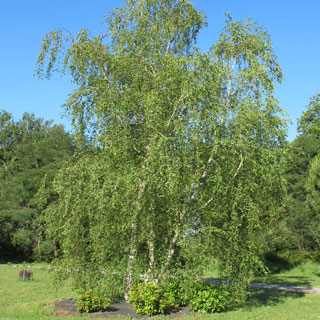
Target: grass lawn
(305, 275)
(29, 299)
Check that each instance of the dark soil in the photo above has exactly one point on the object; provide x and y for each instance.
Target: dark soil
(118, 310)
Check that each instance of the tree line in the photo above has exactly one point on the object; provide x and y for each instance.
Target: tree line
(179, 157)
(31, 149)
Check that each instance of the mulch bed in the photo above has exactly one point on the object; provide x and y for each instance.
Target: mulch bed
(118, 310)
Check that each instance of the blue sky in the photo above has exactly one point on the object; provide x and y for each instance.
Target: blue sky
(294, 27)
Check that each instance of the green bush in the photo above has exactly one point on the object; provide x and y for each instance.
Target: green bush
(207, 297)
(150, 299)
(91, 301)
(176, 290)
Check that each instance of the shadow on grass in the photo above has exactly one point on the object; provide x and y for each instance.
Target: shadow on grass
(267, 297)
(277, 264)
(13, 257)
(287, 280)
(15, 260)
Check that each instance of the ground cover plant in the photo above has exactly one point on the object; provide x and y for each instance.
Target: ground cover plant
(208, 298)
(91, 301)
(200, 296)
(150, 299)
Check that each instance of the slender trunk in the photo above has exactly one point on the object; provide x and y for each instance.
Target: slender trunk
(151, 257)
(133, 245)
(176, 235)
(170, 253)
(132, 255)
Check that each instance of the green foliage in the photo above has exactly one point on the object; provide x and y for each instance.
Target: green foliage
(202, 297)
(29, 150)
(150, 299)
(176, 290)
(309, 123)
(313, 186)
(207, 297)
(313, 201)
(187, 145)
(91, 301)
(293, 236)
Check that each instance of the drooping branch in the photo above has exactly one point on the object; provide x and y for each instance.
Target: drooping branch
(168, 47)
(174, 110)
(238, 169)
(230, 74)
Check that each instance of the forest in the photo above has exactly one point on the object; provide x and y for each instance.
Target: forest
(178, 158)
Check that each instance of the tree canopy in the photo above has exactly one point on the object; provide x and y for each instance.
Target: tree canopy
(187, 146)
(309, 122)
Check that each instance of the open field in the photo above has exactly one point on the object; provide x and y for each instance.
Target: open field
(29, 299)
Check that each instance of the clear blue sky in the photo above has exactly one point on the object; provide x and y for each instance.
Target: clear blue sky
(294, 27)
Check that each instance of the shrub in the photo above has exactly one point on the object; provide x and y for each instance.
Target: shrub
(91, 301)
(150, 299)
(208, 297)
(176, 290)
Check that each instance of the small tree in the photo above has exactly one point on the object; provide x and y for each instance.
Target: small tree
(187, 146)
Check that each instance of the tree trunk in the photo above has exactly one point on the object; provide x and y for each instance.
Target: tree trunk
(132, 255)
(133, 245)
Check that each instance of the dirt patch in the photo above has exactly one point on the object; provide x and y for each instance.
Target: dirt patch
(118, 310)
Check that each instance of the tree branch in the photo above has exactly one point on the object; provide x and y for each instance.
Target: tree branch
(174, 110)
(168, 46)
(238, 169)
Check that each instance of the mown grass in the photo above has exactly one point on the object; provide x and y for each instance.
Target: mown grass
(30, 299)
(305, 275)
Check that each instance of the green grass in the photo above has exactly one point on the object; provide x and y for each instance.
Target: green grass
(279, 306)
(305, 275)
(29, 299)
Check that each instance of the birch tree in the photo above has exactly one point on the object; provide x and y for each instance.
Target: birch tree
(186, 146)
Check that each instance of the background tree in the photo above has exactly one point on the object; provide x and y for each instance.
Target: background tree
(290, 237)
(187, 147)
(302, 217)
(30, 149)
(309, 123)
(313, 201)
(293, 238)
